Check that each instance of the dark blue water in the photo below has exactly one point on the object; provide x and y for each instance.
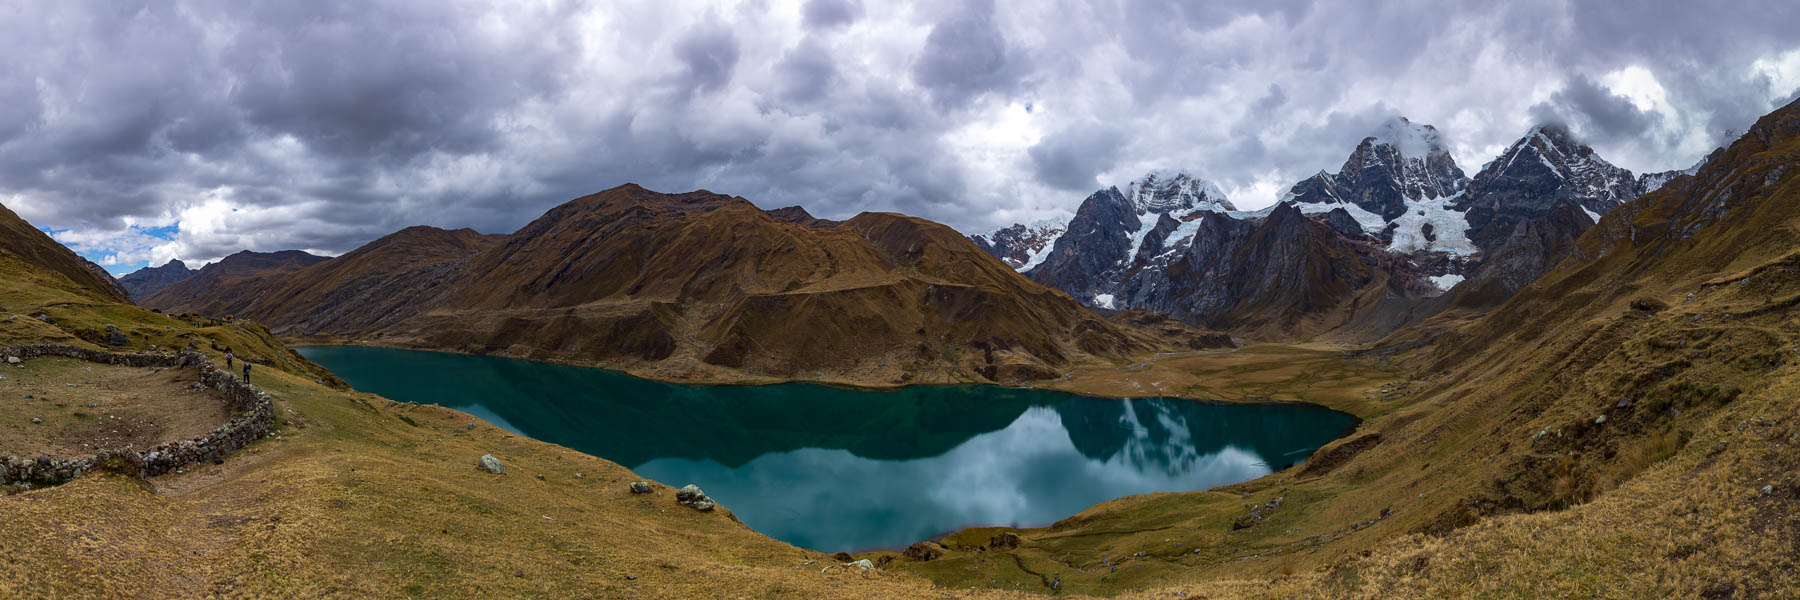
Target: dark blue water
(834, 469)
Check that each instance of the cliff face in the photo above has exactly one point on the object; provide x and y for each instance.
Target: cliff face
(1286, 275)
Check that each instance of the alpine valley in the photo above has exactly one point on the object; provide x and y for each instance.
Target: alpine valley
(1551, 378)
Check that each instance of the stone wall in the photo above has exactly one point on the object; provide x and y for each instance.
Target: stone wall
(256, 418)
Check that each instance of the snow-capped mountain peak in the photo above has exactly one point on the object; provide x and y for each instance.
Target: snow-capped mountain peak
(1549, 165)
(1022, 246)
(1166, 191)
(1411, 140)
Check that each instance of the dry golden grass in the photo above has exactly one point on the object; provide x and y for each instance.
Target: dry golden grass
(137, 407)
(1254, 373)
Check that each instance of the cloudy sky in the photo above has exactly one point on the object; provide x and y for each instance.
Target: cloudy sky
(195, 129)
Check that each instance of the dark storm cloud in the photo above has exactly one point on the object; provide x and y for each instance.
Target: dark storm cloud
(323, 125)
(1071, 158)
(805, 72)
(1594, 111)
(710, 52)
(966, 56)
(829, 14)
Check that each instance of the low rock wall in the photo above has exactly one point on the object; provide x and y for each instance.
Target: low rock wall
(255, 419)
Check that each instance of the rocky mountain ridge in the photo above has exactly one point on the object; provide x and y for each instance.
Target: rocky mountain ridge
(149, 280)
(1438, 237)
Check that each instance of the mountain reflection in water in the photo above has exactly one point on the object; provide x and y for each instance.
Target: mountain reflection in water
(834, 469)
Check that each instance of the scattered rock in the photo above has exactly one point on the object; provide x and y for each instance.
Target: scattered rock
(578, 476)
(1768, 490)
(1005, 540)
(843, 557)
(863, 564)
(90, 405)
(641, 487)
(490, 464)
(12, 360)
(1256, 514)
(540, 476)
(36, 420)
(1623, 403)
(1600, 419)
(923, 551)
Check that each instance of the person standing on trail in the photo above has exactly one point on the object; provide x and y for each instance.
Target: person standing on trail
(228, 358)
(246, 371)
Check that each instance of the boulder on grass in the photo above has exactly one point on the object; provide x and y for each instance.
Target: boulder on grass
(490, 464)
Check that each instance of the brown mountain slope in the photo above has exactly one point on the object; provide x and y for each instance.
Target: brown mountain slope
(699, 286)
(371, 286)
(26, 244)
(230, 285)
(705, 286)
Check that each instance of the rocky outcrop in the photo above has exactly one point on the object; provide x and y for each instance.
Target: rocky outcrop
(691, 497)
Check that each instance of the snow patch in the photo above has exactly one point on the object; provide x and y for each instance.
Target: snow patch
(1591, 214)
(1037, 256)
(1104, 301)
(1146, 222)
(1182, 233)
(1370, 222)
(1450, 227)
(1445, 282)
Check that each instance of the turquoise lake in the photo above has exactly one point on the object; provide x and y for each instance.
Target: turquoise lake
(831, 468)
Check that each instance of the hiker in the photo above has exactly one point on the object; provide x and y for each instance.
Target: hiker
(246, 371)
(227, 358)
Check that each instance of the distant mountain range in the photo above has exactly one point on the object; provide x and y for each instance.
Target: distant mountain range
(149, 280)
(695, 286)
(1398, 233)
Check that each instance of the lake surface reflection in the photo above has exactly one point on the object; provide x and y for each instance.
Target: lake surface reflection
(835, 469)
